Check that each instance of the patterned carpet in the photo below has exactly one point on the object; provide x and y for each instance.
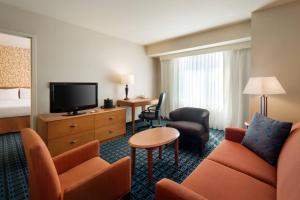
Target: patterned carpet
(13, 171)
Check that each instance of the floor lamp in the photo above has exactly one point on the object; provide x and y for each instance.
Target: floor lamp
(263, 86)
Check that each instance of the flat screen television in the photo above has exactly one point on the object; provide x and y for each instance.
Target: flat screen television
(72, 97)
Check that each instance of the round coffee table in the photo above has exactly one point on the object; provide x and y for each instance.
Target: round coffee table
(151, 139)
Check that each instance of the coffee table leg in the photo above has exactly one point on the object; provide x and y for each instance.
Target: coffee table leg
(176, 151)
(150, 164)
(160, 152)
(133, 154)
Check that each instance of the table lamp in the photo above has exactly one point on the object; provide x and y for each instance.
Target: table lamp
(263, 86)
(127, 79)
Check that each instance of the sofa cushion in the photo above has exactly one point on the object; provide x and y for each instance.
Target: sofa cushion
(266, 136)
(288, 176)
(215, 181)
(240, 158)
(82, 171)
(187, 127)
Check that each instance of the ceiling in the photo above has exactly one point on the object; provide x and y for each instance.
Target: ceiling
(144, 21)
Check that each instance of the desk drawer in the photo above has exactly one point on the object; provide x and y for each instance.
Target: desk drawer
(60, 145)
(70, 126)
(110, 118)
(105, 133)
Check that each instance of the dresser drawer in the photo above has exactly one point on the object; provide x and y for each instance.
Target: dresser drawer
(110, 118)
(60, 145)
(107, 132)
(70, 126)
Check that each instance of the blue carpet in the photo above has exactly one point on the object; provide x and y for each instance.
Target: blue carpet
(13, 170)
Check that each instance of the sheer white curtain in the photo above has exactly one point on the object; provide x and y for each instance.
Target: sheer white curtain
(212, 81)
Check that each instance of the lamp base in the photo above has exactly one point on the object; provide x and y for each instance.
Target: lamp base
(264, 105)
(126, 92)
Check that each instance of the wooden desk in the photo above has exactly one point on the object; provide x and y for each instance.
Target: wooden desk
(133, 103)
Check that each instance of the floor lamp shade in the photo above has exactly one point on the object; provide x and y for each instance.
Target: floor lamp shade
(263, 86)
(127, 79)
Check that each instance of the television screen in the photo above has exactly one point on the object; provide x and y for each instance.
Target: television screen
(72, 97)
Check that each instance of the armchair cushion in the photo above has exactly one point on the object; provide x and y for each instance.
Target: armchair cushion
(266, 136)
(190, 114)
(74, 157)
(111, 182)
(187, 127)
(82, 171)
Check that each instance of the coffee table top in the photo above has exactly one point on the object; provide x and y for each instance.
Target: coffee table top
(153, 137)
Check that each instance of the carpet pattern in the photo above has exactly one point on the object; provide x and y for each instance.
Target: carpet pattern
(189, 159)
(13, 169)
(14, 173)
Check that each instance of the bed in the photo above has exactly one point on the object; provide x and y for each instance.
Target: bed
(14, 110)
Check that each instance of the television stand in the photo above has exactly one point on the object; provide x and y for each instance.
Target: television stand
(74, 113)
(62, 133)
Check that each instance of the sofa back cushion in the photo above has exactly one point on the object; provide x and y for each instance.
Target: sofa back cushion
(43, 178)
(288, 167)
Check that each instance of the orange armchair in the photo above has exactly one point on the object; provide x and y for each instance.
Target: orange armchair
(76, 174)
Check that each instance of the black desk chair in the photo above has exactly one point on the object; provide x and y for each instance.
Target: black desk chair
(153, 113)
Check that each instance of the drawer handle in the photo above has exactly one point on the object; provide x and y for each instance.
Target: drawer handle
(73, 141)
(110, 118)
(110, 131)
(73, 125)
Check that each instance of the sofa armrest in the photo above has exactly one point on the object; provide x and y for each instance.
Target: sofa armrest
(74, 157)
(110, 183)
(167, 189)
(235, 134)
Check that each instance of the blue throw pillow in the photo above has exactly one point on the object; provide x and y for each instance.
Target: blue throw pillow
(266, 136)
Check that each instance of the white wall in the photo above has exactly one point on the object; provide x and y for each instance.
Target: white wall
(67, 52)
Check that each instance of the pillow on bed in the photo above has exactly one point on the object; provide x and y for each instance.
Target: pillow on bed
(25, 93)
(9, 94)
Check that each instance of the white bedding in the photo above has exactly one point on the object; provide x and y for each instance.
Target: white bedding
(15, 108)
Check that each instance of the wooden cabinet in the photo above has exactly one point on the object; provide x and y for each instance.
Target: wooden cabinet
(62, 133)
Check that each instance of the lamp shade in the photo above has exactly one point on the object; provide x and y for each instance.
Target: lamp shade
(263, 86)
(127, 79)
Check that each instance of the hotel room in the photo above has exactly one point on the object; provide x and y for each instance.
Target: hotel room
(136, 99)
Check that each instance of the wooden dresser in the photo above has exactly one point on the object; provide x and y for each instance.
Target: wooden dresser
(62, 133)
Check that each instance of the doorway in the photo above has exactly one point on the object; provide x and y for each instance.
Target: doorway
(15, 83)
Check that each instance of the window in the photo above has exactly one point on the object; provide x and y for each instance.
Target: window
(210, 81)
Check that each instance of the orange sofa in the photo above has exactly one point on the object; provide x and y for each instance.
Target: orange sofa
(232, 171)
(76, 174)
